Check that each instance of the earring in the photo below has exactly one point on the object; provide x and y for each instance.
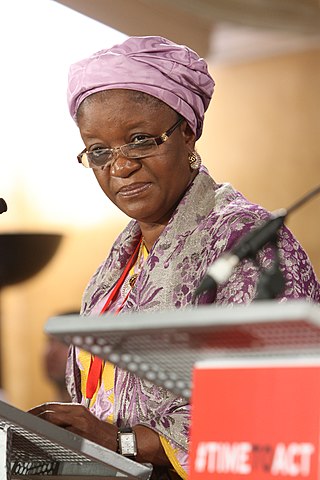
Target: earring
(194, 160)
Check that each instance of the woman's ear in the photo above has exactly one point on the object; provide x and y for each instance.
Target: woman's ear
(189, 136)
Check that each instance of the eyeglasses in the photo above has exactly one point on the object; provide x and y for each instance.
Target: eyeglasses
(104, 157)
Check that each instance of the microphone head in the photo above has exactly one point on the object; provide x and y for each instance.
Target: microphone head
(3, 206)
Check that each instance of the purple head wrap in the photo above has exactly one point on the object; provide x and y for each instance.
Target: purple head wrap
(172, 73)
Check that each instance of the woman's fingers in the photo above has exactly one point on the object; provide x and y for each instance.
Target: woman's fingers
(79, 420)
(56, 407)
(61, 414)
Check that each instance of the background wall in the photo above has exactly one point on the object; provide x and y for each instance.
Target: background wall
(261, 134)
(27, 306)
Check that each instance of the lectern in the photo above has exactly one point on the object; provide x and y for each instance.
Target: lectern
(252, 374)
(33, 448)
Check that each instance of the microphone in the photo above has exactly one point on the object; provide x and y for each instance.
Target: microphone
(3, 206)
(220, 271)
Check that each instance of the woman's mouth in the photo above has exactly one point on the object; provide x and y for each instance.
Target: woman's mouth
(133, 189)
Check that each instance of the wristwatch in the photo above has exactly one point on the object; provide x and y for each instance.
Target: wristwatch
(127, 444)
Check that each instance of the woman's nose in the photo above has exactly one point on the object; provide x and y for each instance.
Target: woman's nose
(123, 166)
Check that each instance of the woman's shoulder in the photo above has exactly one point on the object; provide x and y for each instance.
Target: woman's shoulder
(214, 203)
(230, 202)
(233, 211)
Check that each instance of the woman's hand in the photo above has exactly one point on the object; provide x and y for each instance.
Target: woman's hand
(78, 419)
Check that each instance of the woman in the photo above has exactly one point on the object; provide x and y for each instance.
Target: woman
(140, 107)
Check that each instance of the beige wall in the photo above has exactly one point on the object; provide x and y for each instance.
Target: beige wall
(261, 134)
(27, 306)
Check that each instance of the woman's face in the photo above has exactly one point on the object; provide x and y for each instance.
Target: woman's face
(146, 189)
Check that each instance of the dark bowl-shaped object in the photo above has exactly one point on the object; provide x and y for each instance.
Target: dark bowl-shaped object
(22, 255)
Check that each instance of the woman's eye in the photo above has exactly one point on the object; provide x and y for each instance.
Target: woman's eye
(140, 138)
(97, 151)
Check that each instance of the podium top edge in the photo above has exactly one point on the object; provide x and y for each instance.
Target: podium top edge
(202, 316)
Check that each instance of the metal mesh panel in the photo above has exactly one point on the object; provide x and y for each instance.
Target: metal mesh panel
(167, 358)
(163, 353)
(27, 446)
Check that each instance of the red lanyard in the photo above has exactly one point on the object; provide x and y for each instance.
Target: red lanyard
(96, 365)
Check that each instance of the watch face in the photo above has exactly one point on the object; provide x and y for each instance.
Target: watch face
(128, 444)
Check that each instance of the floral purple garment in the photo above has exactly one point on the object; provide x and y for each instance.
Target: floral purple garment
(210, 219)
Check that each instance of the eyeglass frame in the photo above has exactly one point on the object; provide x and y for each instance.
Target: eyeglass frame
(159, 140)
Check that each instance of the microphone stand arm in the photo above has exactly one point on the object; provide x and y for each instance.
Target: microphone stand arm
(271, 282)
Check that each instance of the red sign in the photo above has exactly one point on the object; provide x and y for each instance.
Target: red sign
(258, 420)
